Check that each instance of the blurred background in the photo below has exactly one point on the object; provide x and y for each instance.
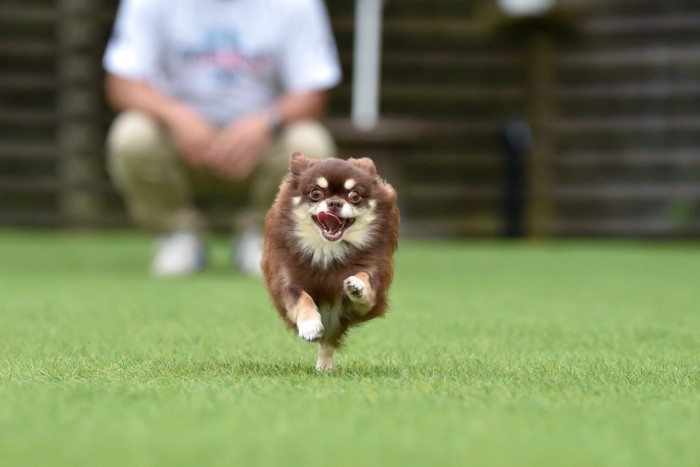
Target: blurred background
(581, 120)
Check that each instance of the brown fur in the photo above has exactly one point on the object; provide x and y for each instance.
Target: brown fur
(301, 287)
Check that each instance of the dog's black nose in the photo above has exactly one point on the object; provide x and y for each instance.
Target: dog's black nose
(335, 204)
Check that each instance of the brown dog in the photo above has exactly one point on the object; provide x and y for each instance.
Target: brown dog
(329, 241)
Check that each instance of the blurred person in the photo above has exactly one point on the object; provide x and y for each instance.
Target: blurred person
(212, 93)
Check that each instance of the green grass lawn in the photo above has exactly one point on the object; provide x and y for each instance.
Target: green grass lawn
(562, 354)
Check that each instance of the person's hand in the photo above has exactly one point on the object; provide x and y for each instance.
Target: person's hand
(193, 136)
(238, 149)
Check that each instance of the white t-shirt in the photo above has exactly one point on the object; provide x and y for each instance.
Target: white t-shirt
(226, 58)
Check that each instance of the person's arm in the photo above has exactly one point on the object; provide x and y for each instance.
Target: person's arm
(130, 94)
(293, 107)
(239, 147)
(191, 133)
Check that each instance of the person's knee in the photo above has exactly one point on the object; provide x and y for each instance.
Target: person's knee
(133, 137)
(310, 138)
(135, 143)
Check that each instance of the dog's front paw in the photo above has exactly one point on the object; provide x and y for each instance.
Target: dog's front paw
(355, 288)
(310, 330)
(324, 364)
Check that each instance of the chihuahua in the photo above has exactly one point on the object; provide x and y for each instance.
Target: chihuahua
(329, 241)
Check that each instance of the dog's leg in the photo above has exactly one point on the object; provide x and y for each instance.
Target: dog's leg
(325, 357)
(360, 292)
(307, 318)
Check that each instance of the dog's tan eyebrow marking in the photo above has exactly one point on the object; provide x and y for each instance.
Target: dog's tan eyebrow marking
(349, 183)
(322, 182)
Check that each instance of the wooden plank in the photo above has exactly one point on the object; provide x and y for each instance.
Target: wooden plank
(443, 192)
(28, 13)
(642, 124)
(622, 6)
(436, 28)
(46, 218)
(467, 93)
(30, 218)
(28, 150)
(493, 58)
(628, 227)
(628, 192)
(50, 184)
(669, 22)
(507, 61)
(629, 90)
(455, 159)
(452, 226)
(23, 48)
(683, 157)
(29, 185)
(27, 81)
(28, 116)
(630, 57)
(410, 130)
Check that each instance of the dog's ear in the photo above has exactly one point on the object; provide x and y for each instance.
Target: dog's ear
(298, 163)
(364, 163)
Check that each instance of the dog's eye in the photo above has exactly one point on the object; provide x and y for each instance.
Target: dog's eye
(354, 197)
(316, 194)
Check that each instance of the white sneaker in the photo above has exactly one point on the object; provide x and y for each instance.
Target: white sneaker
(249, 253)
(178, 254)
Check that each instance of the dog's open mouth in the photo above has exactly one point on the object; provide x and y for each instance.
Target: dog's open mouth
(332, 227)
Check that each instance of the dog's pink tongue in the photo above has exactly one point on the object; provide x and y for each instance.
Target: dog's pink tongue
(329, 221)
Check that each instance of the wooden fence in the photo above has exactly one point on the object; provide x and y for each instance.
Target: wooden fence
(609, 89)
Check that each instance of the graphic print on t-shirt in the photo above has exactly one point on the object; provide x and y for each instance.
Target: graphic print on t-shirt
(219, 51)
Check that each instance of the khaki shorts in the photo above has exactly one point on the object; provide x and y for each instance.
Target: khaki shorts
(159, 188)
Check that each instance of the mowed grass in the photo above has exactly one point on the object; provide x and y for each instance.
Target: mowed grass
(561, 354)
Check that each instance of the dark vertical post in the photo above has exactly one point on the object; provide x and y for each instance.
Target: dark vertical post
(517, 141)
(78, 103)
(540, 115)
